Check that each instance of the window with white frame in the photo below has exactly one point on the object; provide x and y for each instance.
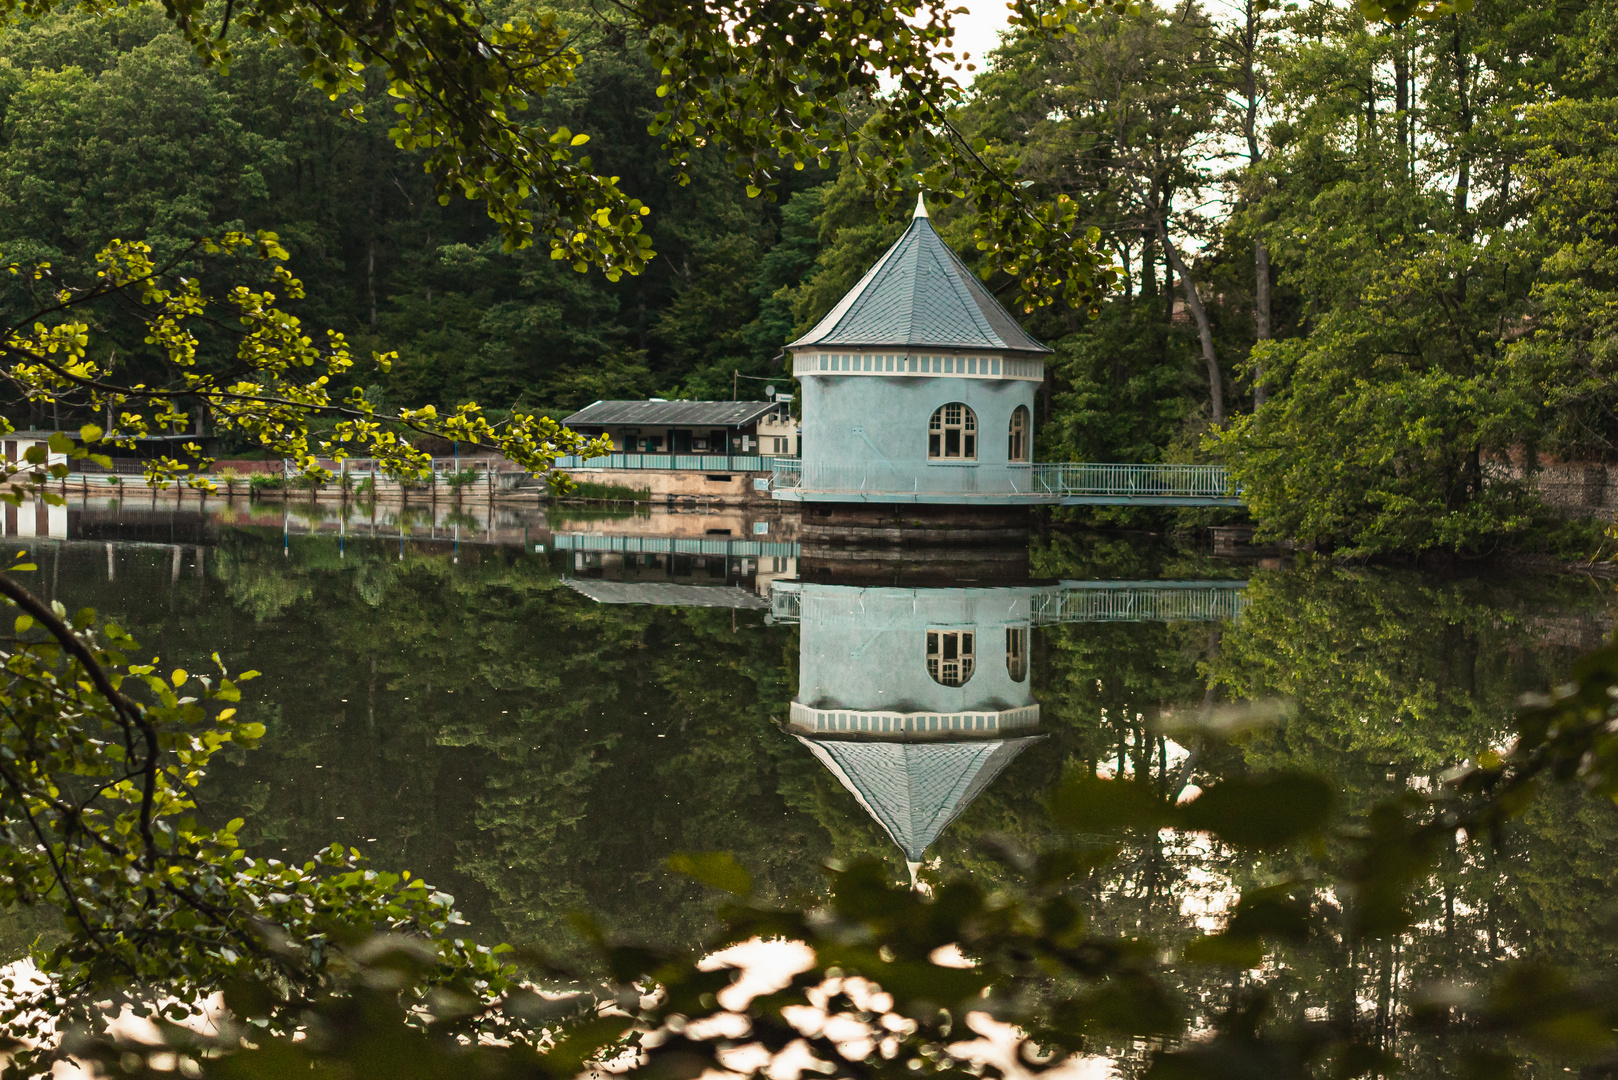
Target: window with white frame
(951, 656)
(952, 434)
(1017, 440)
(1017, 653)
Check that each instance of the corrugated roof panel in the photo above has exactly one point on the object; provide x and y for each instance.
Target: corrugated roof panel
(666, 594)
(676, 413)
(920, 294)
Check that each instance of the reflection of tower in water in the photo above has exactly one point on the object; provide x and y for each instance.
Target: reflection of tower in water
(915, 699)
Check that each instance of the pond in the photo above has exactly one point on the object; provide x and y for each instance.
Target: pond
(534, 712)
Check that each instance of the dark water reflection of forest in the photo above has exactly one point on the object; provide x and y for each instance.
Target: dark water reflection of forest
(473, 718)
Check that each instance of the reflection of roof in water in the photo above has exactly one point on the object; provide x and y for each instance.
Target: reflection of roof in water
(914, 790)
(665, 594)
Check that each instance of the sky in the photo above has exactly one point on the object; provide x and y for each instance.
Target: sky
(979, 31)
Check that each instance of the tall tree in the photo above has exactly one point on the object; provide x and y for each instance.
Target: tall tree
(1117, 115)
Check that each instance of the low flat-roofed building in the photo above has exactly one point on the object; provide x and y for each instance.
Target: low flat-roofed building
(690, 427)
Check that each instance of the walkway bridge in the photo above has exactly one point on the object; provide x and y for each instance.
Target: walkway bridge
(1080, 601)
(1015, 485)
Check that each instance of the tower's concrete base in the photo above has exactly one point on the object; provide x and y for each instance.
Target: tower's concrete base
(872, 525)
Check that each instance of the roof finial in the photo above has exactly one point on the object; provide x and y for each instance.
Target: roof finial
(921, 205)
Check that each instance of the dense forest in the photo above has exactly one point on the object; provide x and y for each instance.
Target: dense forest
(1369, 266)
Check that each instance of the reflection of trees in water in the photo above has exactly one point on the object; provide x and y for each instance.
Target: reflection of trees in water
(496, 733)
(500, 735)
(1395, 677)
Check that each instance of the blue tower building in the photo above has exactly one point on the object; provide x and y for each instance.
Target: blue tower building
(918, 387)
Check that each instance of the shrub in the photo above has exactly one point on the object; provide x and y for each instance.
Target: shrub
(606, 492)
(464, 478)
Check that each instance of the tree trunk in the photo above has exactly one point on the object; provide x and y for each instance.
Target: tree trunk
(1463, 102)
(1370, 110)
(1401, 100)
(1216, 383)
(1261, 253)
(1261, 315)
(370, 257)
(1148, 265)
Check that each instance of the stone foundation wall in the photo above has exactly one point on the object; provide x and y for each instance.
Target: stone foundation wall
(1579, 489)
(683, 485)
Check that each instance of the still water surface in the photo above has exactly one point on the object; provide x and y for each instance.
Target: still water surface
(490, 707)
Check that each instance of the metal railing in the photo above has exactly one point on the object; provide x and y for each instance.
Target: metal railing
(1040, 482)
(1180, 481)
(713, 463)
(905, 477)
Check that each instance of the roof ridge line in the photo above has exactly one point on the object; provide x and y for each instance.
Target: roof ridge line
(851, 299)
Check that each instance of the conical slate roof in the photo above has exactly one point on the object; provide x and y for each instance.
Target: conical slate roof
(920, 294)
(914, 790)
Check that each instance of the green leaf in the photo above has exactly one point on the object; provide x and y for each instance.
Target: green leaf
(1267, 813)
(23, 623)
(90, 433)
(247, 998)
(1224, 950)
(1272, 912)
(1088, 804)
(584, 1042)
(716, 868)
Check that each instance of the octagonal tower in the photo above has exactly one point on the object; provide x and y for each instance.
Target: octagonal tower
(918, 387)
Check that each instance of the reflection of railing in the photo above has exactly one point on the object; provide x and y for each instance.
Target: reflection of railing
(1081, 602)
(1037, 483)
(1139, 601)
(674, 545)
(693, 462)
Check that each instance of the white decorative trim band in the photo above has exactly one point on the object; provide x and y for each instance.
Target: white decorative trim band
(919, 364)
(856, 721)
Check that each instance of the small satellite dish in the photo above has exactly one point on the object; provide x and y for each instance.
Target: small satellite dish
(769, 391)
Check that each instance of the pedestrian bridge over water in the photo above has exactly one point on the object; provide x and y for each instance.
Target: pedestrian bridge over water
(1029, 485)
(928, 482)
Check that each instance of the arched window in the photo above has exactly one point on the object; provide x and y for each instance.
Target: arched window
(1017, 653)
(950, 656)
(1017, 444)
(952, 435)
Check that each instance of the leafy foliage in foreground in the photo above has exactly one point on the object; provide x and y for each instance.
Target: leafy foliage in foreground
(264, 378)
(98, 771)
